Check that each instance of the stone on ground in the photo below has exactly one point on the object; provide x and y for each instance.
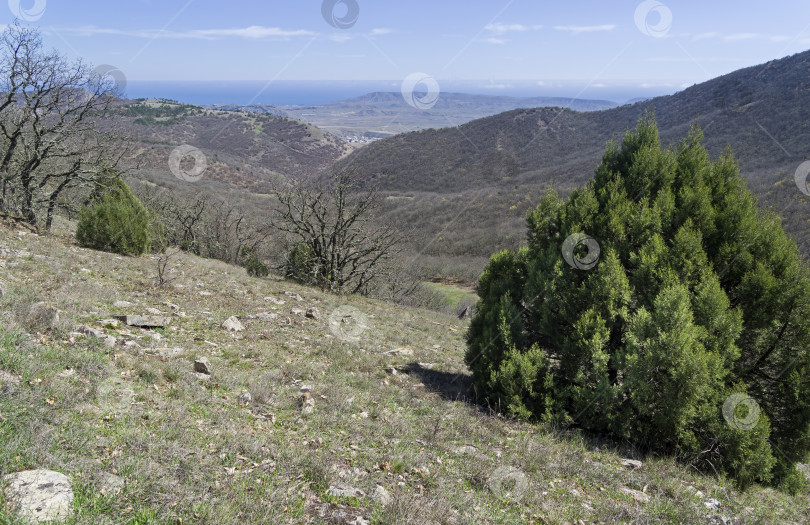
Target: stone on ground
(145, 321)
(342, 490)
(202, 366)
(232, 324)
(39, 495)
(380, 495)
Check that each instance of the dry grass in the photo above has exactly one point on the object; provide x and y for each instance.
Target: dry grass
(195, 451)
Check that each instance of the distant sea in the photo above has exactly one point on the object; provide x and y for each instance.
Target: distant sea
(319, 92)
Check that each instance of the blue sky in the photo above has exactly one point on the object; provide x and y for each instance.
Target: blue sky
(497, 43)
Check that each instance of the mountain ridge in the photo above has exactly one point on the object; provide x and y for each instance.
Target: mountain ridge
(760, 111)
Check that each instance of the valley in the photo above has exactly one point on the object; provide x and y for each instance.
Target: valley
(382, 115)
(442, 184)
(334, 290)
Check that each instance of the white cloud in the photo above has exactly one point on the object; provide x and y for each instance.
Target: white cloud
(493, 85)
(649, 85)
(506, 28)
(753, 36)
(496, 41)
(741, 36)
(381, 31)
(578, 30)
(251, 32)
(692, 59)
(500, 29)
(340, 37)
(704, 36)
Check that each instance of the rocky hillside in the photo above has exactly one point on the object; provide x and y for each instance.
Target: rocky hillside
(220, 398)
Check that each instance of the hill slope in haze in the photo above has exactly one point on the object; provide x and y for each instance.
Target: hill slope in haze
(242, 149)
(383, 114)
(762, 112)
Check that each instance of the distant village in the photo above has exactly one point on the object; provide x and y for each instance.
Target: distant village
(360, 140)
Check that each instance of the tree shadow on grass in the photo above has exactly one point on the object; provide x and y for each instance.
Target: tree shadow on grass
(450, 386)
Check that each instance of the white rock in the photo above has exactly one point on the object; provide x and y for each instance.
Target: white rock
(43, 314)
(245, 398)
(165, 353)
(110, 323)
(712, 503)
(8, 377)
(632, 464)
(380, 495)
(109, 341)
(472, 450)
(232, 324)
(39, 495)
(399, 351)
(263, 316)
(345, 491)
(636, 495)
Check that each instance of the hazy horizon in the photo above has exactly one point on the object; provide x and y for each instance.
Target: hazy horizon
(314, 92)
(618, 51)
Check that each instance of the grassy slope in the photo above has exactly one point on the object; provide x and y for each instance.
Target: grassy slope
(192, 450)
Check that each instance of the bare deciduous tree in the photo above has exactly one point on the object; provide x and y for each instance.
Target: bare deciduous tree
(53, 132)
(205, 225)
(332, 240)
